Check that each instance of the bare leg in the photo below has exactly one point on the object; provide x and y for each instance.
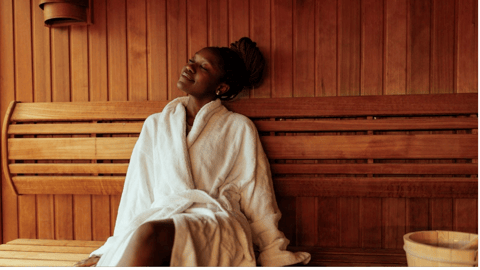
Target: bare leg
(150, 245)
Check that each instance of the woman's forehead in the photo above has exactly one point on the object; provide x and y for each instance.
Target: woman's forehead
(209, 55)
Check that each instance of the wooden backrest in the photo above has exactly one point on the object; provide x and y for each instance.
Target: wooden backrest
(374, 146)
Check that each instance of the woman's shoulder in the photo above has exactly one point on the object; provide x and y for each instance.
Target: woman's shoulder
(240, 121)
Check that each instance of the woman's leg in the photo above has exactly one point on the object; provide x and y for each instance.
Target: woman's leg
(150, 245)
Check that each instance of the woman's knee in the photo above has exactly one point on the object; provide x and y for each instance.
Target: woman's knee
(157, 233)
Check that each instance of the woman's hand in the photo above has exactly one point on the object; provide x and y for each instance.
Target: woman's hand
(90, 261)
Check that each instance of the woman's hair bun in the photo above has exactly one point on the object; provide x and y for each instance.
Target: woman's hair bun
(253, 59)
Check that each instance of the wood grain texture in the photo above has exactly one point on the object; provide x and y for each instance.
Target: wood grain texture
(326, 48)
(419, 44)
(443, 40)
(98, 52)
(156, 50)
(136, 50)
(372, 49)
(117, 50)
(466, 47)
(348, 69)
(395, 47)
(176, 44)
(260, 25)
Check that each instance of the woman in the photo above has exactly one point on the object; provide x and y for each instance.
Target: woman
(198, 190)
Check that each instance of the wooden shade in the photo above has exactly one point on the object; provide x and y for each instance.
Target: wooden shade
(66, 12)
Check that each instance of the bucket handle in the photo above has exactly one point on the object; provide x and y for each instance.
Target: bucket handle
(469, 263)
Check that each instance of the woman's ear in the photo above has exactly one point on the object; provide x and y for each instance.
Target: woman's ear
(222, 88)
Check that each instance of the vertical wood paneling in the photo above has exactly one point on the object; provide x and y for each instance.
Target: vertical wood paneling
(327, 230)
(443, 40)
(41, 56)
(117, 50)
(370, 221)
(465, 215)
(372, 47)
(218, 23)
(349, 32)
(466, 46)
(418, 55)
(286, 223)
(137, 50)
(27, 217)
(260, 33)
(197, 27)
(303, 49)
(326, 48)
(306, 219)
(156, 50)
(238, 20)
(417, 214)
(349, 222)
(98, 86)
(441, 214)
(393, 215)
(176, 44)
(282, 60)
(395, 47)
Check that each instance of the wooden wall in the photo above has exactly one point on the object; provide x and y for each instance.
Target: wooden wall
(134, 51)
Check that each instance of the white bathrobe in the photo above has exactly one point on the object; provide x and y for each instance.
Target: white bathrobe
(215, 183)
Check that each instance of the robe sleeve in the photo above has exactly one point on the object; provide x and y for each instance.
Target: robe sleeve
(259, 205)
(137, 191)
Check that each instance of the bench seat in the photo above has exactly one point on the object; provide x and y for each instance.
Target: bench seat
(376, 147)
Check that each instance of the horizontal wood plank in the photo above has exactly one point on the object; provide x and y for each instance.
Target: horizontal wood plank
(278, 147)
(371, 147)
(75, 128)
(262, 126)
(439, 104)
(365, 125)
(68, 168)
(60, 243)
(385, 187)
(70, 148)
(54, 249)
(85, 111)
(383, 168)
(95, 185)
(51, 256)
(361, 168)
(285, 186)
(353, 256)
(34, 263)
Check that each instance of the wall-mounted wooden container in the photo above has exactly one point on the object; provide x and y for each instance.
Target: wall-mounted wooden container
(66, 12)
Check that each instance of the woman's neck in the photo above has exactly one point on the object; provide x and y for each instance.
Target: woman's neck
(193, 107)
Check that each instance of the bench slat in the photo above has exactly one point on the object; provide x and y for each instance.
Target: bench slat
(54, 249)
(350, 168)
(391, 187)
(75, 128)
(277, 147)
(381, 168)
(361, 125)
(68, 168)
(60, 243)
(98, 185)
(262, 126)
(85, 111)
(438, 187)
(34, 263)
(70, 148)
(371, 147)
(29, 255)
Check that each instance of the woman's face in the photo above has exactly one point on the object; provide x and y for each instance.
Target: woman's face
(201, 76)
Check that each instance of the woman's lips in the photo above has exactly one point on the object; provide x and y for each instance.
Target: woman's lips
(187, 76)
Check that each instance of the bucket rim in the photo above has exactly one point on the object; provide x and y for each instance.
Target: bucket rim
(406, 238)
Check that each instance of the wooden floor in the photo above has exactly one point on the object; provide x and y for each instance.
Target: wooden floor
(37, 252)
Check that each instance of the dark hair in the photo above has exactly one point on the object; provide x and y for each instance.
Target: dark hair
(243, 65)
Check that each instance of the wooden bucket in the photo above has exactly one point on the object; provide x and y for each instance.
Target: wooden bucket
(439, 248)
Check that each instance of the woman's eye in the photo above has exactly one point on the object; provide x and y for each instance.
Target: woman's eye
(190, 61)
(203, 67)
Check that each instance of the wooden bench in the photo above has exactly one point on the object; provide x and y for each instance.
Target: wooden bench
(412, 146)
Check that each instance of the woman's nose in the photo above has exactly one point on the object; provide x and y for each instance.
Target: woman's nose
(190, 68)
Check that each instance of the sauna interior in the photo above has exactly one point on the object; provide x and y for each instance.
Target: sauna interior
(133, 50)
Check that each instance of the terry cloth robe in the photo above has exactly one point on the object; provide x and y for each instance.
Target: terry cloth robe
(215, 183)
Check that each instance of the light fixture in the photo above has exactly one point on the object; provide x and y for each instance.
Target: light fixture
(66, 12)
